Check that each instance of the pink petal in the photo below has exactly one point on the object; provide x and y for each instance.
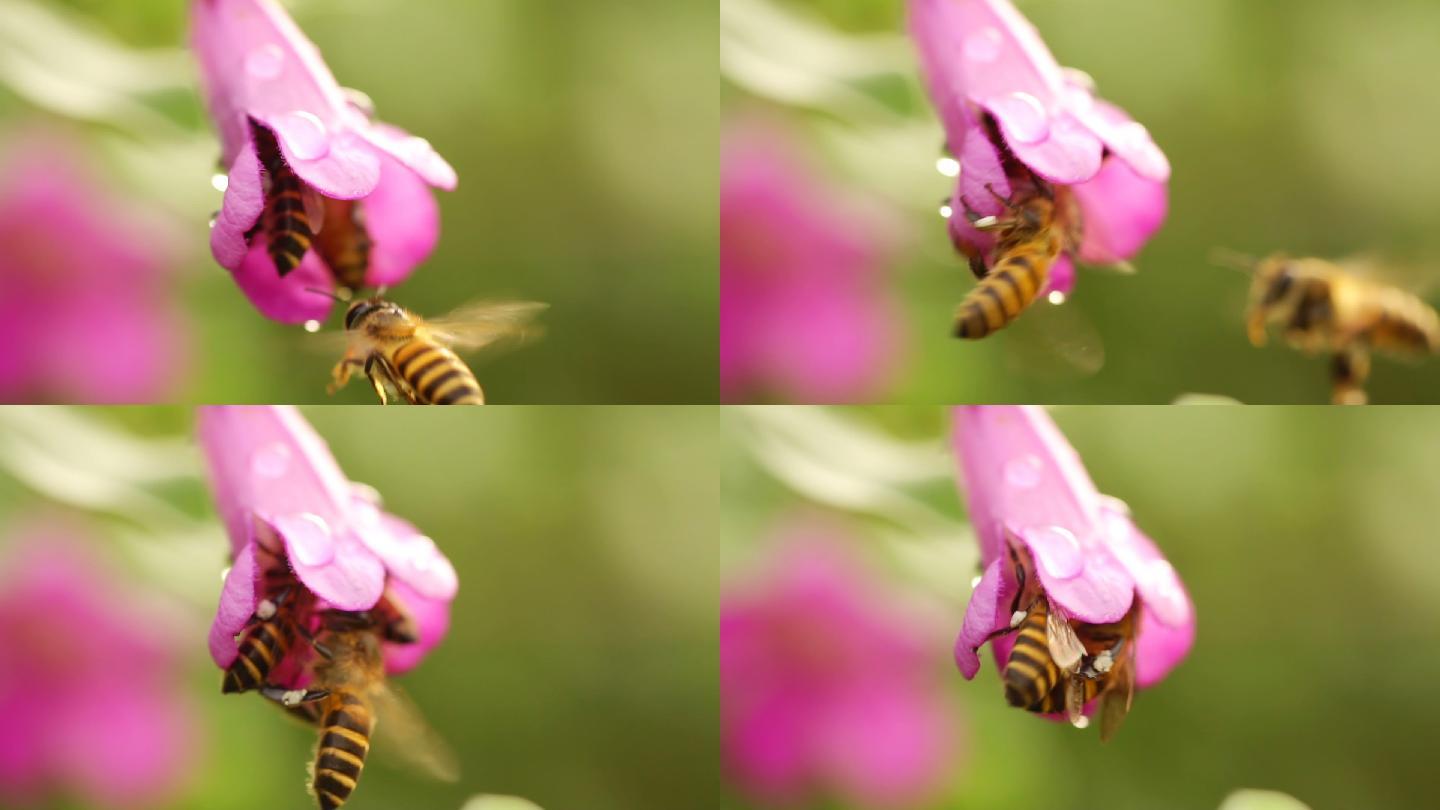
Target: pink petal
(980, 173)
(340, 165)
(1121, 211)
(329, 560)
(289, 299)
(987, 612)
(415, 153)
(1128, 140)
(404, 223)
(237, 604)
(1068, 154)
(1168, 619)
(431, 617)
(244, 200)
(1159, 648)
(884, 744)
(410, 556)
(123, 745)
(1062, 276)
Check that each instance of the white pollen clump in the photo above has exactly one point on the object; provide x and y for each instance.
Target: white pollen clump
(293, 697)
(265, 611)
(986, 222)
(1016, 618)
(1104, 661)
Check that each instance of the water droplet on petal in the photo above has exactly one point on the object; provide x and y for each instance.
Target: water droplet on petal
(220, 182)
(367, 493)
(312, 326)
(983, 45)
(1056, 297)
(1166, 597)
(1082, 722)
(1023, 117)
(360, 100)
(265, 63)
(1079, 78)
(1057, 551)
(945, 210)
(975, 583)
(271, 461)
(310, 540)
(225, 574)
(1024, 472)
(948, 166)
(304, 135)
(213, 219)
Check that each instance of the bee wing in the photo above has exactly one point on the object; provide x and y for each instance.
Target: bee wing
(406, 737)
(314, 207)
(1075, 701)
(1065, 646)
(1054, 342)
(1115, 703)
(483, 323)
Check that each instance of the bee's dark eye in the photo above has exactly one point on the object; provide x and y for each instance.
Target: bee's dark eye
(357, 312)
(1279, 286)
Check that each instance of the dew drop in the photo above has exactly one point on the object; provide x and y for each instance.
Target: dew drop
(1024, 472)
(309, 539)
(225, 574)
(1165, 594)
(1057, 551)
(304, 135)
(1023, 117)
(983, 45)
(1079, 78)
(312, 326)
(1056, 297)
(360, 100)
(948, 166)
(975, 583)
(265, 62)
(220, 182)
(271, 461)
(213, 218)
(1082, 722)
(945, 210)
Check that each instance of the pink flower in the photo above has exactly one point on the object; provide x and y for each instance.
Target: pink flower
(1023, 480)
(1003, 99)
(803, 312)
(827, 687)
(85, 309)
(276, 485)
(91, 689)
(263, 78)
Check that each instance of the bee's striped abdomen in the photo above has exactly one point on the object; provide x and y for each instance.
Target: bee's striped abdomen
(436, 375)
(1030, 672)
(1054, 701)
(261, 648)
(1006, 291)
(344, 741)
(344, 243)
(287, 224)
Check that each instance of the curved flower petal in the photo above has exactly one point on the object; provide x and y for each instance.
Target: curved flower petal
(403, 219)
(981, 179)
(1167, 624)
(1059, 149)
(240, 210)
(1062, 276)
(340, 165)
(287, 299)
(237, 605)
(1128, 139)
(432, 620)
(415, 153)
(411, 557)
(986, 613)
(121, 746)
(329, 561)
(1121, 211)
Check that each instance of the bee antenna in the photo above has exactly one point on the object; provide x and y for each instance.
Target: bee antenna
(1224, 257)
(332, 296)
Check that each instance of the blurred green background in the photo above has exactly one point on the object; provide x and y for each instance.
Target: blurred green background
(1305, 538)
(579, 671)
(583, 134)
(1296, 125)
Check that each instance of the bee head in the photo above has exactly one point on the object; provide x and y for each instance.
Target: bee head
(368, 309)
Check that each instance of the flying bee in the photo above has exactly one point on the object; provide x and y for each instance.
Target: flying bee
(1326, 307)
(1057, 666)
(345, 244)
(294, 212)
(413, 358)
(1037, 227)
(271, 631)
(348, 695)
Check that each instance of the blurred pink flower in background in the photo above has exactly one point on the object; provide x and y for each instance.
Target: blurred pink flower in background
(804, 313)
(1021, 478)
(828, 686)
(91, 689)
(275, 483)
(983, 61)
(85, 310)
(259, 70)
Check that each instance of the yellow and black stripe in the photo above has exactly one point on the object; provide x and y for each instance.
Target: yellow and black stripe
(261, 648)
(287, 225)
(344, 243)
(344, 742)
(436, 375)
(1030, 673)
(1054, 702)
(1014, 282)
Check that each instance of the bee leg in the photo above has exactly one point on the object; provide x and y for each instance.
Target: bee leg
(375, 380)
(319, 648)
(340, 375)
(291, 698)
(1349, 369)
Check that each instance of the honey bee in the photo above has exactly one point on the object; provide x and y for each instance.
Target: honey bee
(293, 212)
(1325, 307)
(268, 637)
(344, 243)
(1036, 228)
(1057, 665)
(347, 696)
(412, 358)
